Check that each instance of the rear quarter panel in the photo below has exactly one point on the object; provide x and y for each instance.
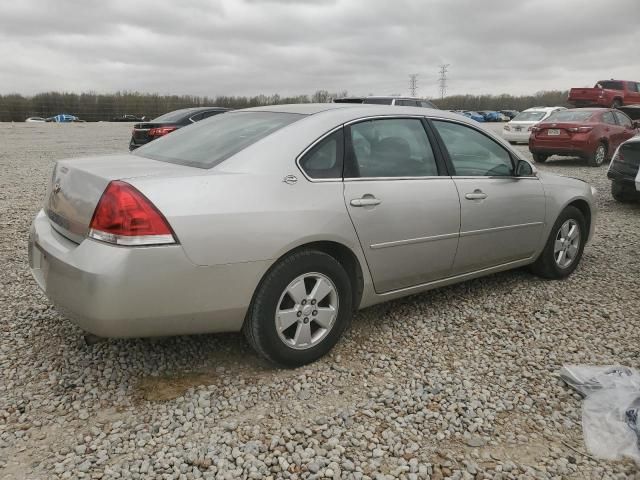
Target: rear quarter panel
(240, 217)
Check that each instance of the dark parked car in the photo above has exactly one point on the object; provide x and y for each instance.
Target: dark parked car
(388, 100)
(590, 133)
(167, 123)
(623, 171)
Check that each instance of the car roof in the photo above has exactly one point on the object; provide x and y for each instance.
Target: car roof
(344, 112)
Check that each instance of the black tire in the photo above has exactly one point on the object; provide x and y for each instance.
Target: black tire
(260, 324)
(595, 160)
(623, 193)
(545, 266)
(616, 103)
(540, 157)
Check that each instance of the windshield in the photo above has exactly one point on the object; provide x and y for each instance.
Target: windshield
(535, 116)
(570, 116)
(211, 141)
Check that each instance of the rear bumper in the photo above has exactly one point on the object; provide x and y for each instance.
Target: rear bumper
(511, 136)
(115, 291)
(622, 178)
(568, 148)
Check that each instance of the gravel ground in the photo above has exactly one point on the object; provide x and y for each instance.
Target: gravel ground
(455, 383)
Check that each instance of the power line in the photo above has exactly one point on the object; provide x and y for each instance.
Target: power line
(443, 79)
(413, 84)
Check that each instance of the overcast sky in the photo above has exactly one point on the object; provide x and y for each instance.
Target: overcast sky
(248, 47)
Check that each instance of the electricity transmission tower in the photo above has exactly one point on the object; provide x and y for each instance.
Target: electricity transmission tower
(443, 79)
(413, 84)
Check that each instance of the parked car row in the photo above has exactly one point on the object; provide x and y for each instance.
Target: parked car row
(487, 115)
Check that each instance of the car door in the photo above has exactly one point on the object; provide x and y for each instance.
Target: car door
(612, 129)
(502, 215)
(626, 127)
(405, 210)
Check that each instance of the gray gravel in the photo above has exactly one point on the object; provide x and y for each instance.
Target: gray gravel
(455, 383)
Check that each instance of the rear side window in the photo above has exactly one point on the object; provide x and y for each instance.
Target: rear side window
(324, 160)
(211, 141)
(406, 103)
(607, 117)
(472, 153)
(390, 148)
(611, 85)
(378, 101)
(173, 117)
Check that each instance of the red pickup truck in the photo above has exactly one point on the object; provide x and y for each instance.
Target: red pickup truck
(606, 93)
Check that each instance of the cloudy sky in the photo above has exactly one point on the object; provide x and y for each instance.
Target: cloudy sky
(247, 47)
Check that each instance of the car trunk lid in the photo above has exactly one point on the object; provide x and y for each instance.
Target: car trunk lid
(77, 185)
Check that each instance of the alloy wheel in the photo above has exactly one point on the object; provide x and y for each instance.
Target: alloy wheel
(567, 244)
(306, 311)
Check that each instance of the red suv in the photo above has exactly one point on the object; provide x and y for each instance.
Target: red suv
(590, 133)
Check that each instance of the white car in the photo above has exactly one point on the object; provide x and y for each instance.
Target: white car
(519, 129)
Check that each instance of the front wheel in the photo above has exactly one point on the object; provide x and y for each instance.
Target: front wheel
(300, 310)
(540, 157)
(563, 251)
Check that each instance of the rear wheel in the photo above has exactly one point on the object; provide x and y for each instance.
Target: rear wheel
(616, 103)
(599, 156)
(300, 309)
(540, 157)
(564, 247)
(623, 193)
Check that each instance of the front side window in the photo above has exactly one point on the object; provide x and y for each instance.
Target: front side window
(607, 117)
(211, 141)
(624, 120)
(324, 160)
(472, 153)
(395, 147)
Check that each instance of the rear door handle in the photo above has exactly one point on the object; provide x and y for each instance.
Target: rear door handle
(365, 202)
(476, 195)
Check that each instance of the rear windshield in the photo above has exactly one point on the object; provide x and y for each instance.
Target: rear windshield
(610, 85)
(211, 141)
(570, 116)
(378, 101)
(174, 116)
(529, 116)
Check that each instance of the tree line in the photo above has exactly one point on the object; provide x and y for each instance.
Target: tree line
(96, 107)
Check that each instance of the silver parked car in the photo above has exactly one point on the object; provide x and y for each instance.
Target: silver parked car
(281, 221)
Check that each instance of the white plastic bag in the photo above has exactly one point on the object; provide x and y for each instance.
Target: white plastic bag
(611, 409)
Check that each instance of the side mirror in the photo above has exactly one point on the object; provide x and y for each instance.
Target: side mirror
(525, 169)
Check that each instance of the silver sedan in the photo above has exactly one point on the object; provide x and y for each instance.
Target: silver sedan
(281, 221)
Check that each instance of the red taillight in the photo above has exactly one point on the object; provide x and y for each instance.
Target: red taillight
(160, 131)
(580, 129)
(534, 129)
(124, 216)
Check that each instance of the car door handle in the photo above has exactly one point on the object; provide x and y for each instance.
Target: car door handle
(476, 195)
(365, 202)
